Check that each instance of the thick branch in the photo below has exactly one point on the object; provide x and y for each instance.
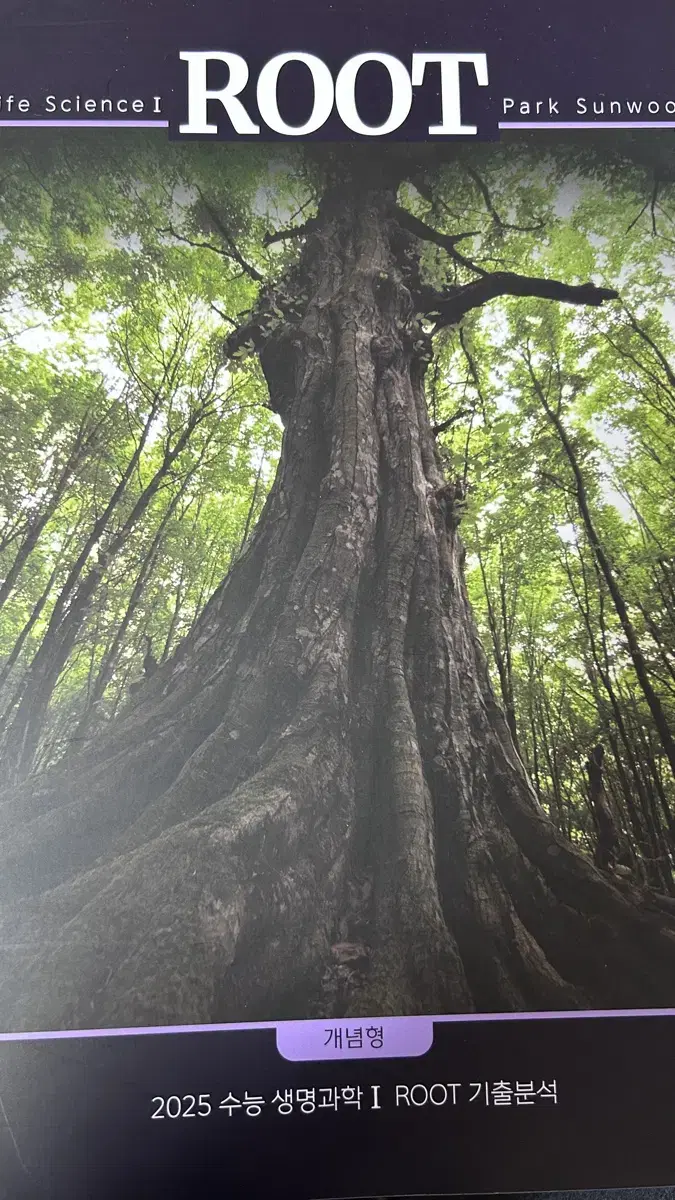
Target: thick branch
(446, 241)
(246, 337)
(421, 230)
(448, 307)
(292, 231)
(441, 427)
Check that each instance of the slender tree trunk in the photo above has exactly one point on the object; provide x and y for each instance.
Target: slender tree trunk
(601, 670)
(639, 844)
(664, 651)
(74, 603)
(30, 624)
(618, 600)
(110, 658)
(507, 623)
(532, 690)
(500, 638)
(254, 500)
(323, 758)
(36, 527)
(549, 757)
(23, 732)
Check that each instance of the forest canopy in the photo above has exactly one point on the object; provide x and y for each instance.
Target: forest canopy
(134, 460)
(139, 441)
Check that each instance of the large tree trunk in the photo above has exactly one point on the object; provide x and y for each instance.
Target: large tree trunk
(315, 807)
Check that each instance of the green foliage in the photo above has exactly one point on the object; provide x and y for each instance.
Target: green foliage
(556, 646)
(133, 463)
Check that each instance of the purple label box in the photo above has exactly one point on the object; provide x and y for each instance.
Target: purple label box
(355, 1037)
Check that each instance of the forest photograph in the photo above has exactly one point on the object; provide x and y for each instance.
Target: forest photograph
(337, 578)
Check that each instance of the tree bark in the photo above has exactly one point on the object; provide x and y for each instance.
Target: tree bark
(322, 762)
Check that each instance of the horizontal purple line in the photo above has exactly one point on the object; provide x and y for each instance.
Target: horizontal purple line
(587, 125)
(42, 124)
(561, 1015)
(144, 1030)
(503, 125)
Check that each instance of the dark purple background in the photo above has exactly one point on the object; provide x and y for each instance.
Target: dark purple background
(84, 1105)
(129, 47)
(80, 1114)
